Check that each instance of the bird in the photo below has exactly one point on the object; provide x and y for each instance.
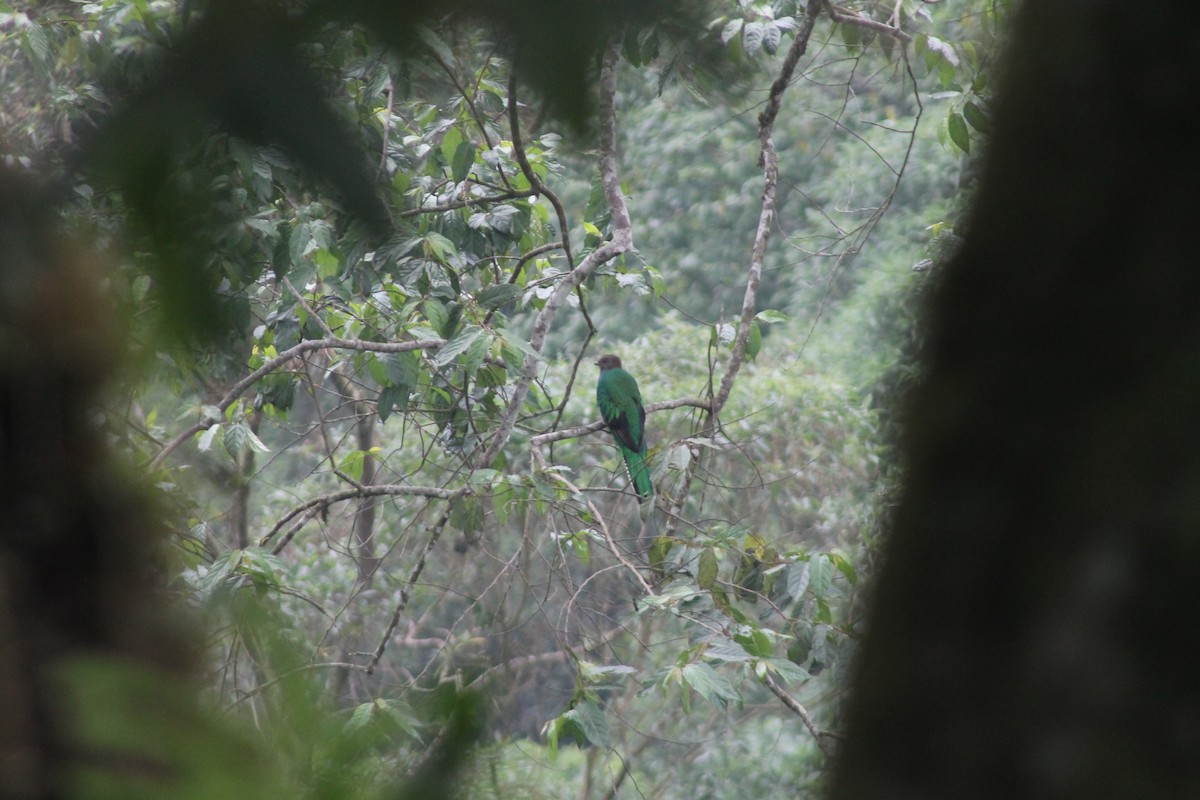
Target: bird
(620, 405)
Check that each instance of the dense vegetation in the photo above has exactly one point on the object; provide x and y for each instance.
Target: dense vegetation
(364, 267)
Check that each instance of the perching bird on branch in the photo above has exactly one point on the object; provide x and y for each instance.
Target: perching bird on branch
(620, 405)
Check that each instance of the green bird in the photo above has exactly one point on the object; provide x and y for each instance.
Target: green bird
(620, 405)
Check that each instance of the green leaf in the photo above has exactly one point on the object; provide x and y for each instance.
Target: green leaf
(462, 161)
(772, 35)
(328, 265)
(752, 37)
(976, 117)
(472, 359)
(458, 345)
(820, 574)
(956, 126)
(299, 239)
(362, 716)
(514, 347)
(754, 340)
(381, 714)
(205, 440)
(502, 216)
(466, 514)
(845, 567)
(354, 461)
(403, 369)
(679, 457)
(551, 731)
(788, 671)
(500, 295)
(235, 439)
(724, 649)
(797, 579)
(437, 314)
(705, 681)
(593, 673)
(770, 315)
(657, 284)
(437, 247)
(591, 721)
(239, 439)
(216, 573)
(392, 398)
(451, 140)
(656, 555)
(706, 571)
(37, 42)
(851, 35)
(755, 641)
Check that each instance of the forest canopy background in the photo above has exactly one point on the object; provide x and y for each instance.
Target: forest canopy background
(360, 260)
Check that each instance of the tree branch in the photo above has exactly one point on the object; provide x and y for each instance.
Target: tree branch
(535, 180)
(599, 425)
(768, 160)
(620, 242)
(596, 515)
(435, 533)
(793, 704)
(329, 342)
(377, 490)
(848, 17)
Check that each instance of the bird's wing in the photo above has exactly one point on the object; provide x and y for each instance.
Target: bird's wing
(621, 407)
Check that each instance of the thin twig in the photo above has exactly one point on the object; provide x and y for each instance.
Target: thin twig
(792, 703)
(322, 503)
(330, 342)
(435, 533)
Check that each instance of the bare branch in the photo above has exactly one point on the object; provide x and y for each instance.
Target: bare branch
(848, 17)
(535, 180)
(792, 703)
(435, 533)
(320, 504)
(768, 160)
(307, 346)
(599, 425)
(599, 518)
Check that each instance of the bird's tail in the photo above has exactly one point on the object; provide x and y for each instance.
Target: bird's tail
(639, 474)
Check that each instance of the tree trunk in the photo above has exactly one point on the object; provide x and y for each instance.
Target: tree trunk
(1033, 624)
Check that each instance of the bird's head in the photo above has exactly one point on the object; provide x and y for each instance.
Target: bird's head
(608, 361)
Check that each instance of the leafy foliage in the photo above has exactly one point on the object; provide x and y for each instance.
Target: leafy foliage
(369, 267)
